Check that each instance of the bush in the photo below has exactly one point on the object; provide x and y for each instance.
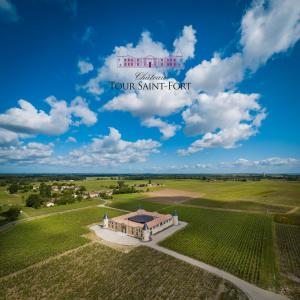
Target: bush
(12, 213)
(13, 188)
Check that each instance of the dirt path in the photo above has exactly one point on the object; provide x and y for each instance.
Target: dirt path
(292, 210)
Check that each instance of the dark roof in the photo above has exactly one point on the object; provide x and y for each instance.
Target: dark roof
(175, 213)
(141, 219)
(105, 216)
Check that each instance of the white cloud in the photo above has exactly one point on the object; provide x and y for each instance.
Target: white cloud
(146, 46)
(267, 28)
(223, 120)
(185, 44)
(88, 34)
(216, 75)
(166, 129)
(79, 108)
(113, 150)
(272, 162)
(8, 137)
(224, 110)
(149, 104)
(146, 103)
(25, 154)
(29, 121)
(85, 66)
(8, 11)
(71, 139)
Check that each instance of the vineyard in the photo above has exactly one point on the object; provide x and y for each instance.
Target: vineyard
(238, 243)
(34, 241)
(288, 240)
(98, 272)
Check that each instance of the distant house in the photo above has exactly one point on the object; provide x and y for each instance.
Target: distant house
(94, 194)
(55, 188)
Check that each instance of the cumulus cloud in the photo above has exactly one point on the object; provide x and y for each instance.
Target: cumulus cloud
(185, 44)
(268, 28)
(146, 46)
(8, 11)
(272, 162)
(25, 154)
(85, 66)
(223, 120)
(112, 150)
(27, 120)
(79, 108)
(7, 137)
(147, 105)
(167, 130)
(216, 75)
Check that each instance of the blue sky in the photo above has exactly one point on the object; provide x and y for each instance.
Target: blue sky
(58, 113)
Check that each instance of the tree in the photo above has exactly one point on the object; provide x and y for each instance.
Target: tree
(35, 201)
(121, 184)
(12, 213)
(66, 198)
(13, 188)
(45, 190)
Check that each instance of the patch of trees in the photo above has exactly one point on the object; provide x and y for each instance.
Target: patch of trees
(11, 214)
(35, 201)
(123, 188)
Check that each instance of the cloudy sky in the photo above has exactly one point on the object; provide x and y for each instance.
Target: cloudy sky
(58, 112)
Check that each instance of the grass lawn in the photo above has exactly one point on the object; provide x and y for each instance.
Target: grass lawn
(133, 201)
(98, 272)
(33, 241)
(31, 212)
(265, 191)
(7, 199)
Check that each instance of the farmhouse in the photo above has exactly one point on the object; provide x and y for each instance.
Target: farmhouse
(141, 223)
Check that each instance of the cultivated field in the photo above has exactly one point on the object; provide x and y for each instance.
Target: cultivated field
(242, 243)
(34, 241)
(171, 196)
(98, 272)
(239, 243)
(288, 240)
(236, 242)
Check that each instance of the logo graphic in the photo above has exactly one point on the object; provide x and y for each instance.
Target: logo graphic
(168, 62)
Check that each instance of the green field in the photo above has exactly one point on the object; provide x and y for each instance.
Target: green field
(265, 191)
(31, 212)
(241, 205)
(134, 201)
(33, 241)
(236, 242)
(98, 272)
(239, 243)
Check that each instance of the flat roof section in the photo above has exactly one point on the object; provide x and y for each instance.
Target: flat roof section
(142, 219)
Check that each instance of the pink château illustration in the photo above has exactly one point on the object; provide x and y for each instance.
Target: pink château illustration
(171, 61)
